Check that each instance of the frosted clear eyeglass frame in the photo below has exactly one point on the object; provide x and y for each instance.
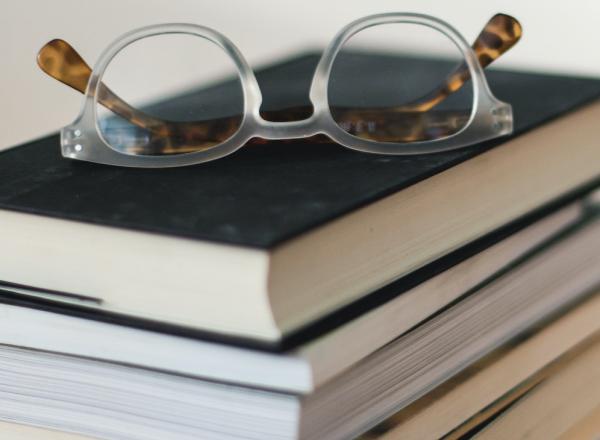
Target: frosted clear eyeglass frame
(489, 118)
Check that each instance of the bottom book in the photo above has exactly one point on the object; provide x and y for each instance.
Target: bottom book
(562, 405)
(541, 385)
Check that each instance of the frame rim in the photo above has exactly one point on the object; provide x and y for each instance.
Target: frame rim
(480, 126)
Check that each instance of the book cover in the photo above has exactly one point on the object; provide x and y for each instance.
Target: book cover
(264, 194)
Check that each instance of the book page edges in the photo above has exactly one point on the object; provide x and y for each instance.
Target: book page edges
(184, 282)
(363, 251)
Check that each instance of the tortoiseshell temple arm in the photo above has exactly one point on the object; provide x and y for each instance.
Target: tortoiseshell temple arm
(498, 36)
(59, 60)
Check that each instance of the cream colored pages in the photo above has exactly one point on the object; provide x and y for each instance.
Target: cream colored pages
(466, 399)
(556, 405)
(587, 428)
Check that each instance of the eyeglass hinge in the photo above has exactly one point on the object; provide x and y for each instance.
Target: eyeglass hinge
(502, 118)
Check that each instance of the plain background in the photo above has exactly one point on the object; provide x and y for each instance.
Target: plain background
(559, 36)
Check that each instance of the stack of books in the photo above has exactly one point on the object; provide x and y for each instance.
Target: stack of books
(306, 291)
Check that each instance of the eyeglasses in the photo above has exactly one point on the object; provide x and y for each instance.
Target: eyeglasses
(364, 97)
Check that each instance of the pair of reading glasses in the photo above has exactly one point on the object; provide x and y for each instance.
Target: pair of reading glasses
(113, 130)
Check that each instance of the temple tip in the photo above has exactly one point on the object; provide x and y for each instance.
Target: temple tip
(499, 35)
(58, 59)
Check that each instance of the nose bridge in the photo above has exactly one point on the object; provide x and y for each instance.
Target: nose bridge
(286, 130)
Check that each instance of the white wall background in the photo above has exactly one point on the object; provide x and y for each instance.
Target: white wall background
(559, 35)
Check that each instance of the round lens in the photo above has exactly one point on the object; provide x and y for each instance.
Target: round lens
(400, 83)
(169, 94)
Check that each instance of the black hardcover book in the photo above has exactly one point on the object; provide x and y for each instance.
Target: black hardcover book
(274, 238)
